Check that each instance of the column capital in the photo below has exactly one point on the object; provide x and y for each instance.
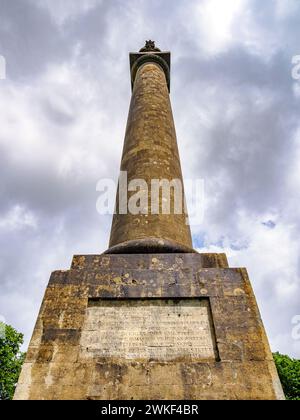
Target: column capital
(162, 58)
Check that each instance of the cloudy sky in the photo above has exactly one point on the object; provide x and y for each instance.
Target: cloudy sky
(64, 106)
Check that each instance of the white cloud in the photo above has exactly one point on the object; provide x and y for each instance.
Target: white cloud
(286, 9)
(63, 10)
(17, 218)
(215, 19)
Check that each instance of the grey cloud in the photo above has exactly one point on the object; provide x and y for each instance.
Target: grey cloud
(29, 40)
(251, 150)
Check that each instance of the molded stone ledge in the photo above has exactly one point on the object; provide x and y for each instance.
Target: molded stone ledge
(137, 261)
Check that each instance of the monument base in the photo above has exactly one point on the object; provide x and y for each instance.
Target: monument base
(152, 327)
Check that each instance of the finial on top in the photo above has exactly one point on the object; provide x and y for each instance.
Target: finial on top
(149, 46)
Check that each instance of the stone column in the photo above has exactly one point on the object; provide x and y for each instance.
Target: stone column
(151, 152)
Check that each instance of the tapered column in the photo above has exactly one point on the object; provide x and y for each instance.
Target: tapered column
(150, 153)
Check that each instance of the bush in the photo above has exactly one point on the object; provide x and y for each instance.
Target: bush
(289, 374)
(11, 360)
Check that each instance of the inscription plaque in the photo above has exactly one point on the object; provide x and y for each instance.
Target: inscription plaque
(152, 329)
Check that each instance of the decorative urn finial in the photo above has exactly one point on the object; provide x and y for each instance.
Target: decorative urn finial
(150, 47)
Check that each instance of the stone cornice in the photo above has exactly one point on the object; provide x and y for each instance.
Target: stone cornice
(139, 59)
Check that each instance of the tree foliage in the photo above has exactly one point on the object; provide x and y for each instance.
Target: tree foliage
(289, 374)
(11, 360)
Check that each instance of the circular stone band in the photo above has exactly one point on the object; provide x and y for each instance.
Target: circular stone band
(150, 246)
(150, 58)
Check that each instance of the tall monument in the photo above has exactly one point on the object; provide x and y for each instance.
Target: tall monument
(150, 318)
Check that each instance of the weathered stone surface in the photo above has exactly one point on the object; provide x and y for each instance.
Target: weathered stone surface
(150, 152)
(59, 367)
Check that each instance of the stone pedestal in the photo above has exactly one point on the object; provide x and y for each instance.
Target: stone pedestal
(149, 326)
